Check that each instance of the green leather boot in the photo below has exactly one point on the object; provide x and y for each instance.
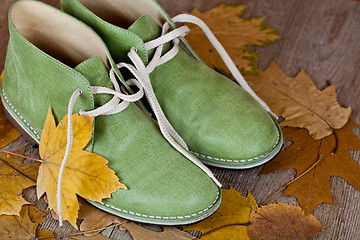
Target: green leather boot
(50, 56)
(223, 124)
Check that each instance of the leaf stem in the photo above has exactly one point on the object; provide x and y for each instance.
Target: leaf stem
(19, 155)
(336, 143)
(82, 232)
(218, 228)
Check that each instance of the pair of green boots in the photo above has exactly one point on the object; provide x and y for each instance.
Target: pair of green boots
(52, 55)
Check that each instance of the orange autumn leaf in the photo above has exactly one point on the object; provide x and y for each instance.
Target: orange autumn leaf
(229, 221)
(234, 33)
(14, 177)
(314, 188)
(85, 174)
(23, 226)
(7, 131)
(282, 221)
(299, 101)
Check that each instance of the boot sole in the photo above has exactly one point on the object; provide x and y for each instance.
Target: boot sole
(24, 132)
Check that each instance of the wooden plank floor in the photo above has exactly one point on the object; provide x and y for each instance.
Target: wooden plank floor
(323, 38)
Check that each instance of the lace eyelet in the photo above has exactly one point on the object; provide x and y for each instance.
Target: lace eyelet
(81, 92)
(133, 49)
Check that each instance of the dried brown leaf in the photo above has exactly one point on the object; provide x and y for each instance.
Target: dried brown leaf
(314, 188)
(170, 233)
(94, 218)
(234, 33)
(36, 215)
(299, 101)
(282, 221)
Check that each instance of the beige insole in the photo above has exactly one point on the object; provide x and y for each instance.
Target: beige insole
(123, 13)
(57, 34)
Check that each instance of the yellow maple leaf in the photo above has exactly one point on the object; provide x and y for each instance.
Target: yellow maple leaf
(234, 33)
(316, 158)
(85, 173)
(299, 101)
(233, 211)
(7, 131)
(282, 221)
(14, 177)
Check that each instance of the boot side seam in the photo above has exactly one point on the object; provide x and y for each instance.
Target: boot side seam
(161, 217)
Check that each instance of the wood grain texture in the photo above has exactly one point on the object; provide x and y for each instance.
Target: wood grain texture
(320, 36)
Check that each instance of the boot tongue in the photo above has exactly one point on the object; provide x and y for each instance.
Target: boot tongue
(97, 74)
(147, 29)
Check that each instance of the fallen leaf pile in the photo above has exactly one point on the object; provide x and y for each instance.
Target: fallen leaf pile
(320, 152)
(240, 218)
(23, 226)
(319, 128)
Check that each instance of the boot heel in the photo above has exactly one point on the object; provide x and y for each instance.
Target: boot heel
(23, 132)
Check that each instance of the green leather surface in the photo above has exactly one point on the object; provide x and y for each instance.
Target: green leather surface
(214, 115)
(118, 40)
(163, 186)
(32, 78)
(160, 179)
(221, 123)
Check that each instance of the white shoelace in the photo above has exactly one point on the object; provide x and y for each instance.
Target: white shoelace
(141, 79)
